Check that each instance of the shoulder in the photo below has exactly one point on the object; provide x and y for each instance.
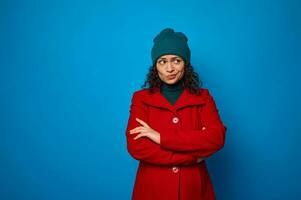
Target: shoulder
(203, 93)
(141, 92)
(207, 97)
(138, 95)
(204, 96)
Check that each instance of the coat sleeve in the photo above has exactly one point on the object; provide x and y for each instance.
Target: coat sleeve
(143, 149)
(199, 143)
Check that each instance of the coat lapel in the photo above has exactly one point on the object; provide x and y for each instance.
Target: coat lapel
(188, 99)
(156, 99)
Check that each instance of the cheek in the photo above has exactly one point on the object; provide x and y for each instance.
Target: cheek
(160, 73)
(181, 75)
(181, 71)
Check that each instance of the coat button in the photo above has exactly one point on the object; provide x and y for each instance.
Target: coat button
(175, 170)
(175, 120)
(203, 128)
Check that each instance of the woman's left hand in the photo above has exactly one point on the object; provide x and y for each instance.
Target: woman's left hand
(145, 131)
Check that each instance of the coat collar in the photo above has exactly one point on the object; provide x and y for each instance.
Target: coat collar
(186, 98)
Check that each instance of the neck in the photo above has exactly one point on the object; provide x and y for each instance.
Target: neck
(172, 87)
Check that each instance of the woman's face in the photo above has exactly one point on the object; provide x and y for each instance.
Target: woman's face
(170, 68)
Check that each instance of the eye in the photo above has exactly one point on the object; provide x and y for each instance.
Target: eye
(161, 62)
(177, 61)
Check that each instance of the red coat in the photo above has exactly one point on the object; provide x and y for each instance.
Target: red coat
(190, 129)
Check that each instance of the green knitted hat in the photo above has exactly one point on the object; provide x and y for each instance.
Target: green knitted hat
(170, 42)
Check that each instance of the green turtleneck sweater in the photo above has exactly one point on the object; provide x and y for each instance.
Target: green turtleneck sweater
(172, 92)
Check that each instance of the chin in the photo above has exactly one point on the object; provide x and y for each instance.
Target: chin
(171, 82)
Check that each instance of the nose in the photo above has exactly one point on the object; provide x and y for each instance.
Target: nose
(169, 67)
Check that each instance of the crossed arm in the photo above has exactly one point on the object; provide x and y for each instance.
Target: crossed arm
(176, 147)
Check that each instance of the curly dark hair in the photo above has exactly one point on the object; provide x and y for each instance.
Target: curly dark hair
(190, 79)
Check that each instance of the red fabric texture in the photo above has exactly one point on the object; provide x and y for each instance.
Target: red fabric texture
(189, 129)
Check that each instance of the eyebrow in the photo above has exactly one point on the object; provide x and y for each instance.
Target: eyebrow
(172, 57)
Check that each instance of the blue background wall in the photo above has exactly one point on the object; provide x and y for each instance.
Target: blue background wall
(68, 70)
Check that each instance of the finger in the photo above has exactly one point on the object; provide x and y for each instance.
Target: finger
(138, 127)
(140, 130)
(139, 136)
(142, 122)
(137, 130)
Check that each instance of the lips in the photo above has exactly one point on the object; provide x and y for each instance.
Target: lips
(171, 76)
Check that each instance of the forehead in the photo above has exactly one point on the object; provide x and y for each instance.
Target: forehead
(169, 56)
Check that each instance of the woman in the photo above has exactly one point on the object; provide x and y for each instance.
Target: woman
(173, 126)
